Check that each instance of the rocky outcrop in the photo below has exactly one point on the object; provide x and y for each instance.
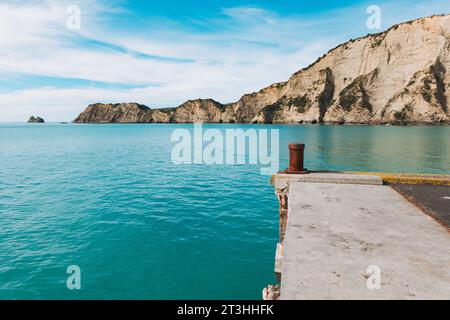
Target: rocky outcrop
(34, 119)
(199, 111)
(114, 113)
(401, 75)
(189, 112)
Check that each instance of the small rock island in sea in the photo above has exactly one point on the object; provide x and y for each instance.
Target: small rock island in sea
(34, 119)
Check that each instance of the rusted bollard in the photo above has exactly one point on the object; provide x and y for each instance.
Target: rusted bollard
(296, 159)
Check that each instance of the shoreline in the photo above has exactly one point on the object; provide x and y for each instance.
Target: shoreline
(445, 124)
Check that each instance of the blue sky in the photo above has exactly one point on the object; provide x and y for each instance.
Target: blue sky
(161, 53)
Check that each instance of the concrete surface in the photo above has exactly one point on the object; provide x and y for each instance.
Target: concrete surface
(336, 231)
(410, 178)
(279, 262)
(435, 200)
(281, 180)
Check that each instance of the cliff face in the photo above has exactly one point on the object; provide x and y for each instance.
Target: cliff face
(114, 113)
(199, 111)
(398, 76)
(191, 111)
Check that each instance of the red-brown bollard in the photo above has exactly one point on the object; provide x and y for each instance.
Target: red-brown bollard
(296, 159)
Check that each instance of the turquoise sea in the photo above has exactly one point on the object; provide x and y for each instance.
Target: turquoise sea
(108, 199)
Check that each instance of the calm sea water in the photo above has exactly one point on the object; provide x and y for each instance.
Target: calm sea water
(108, 199)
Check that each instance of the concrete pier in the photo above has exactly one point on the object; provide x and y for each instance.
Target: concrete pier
(347, 236)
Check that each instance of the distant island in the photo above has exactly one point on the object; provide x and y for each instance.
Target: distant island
(400, 76)
(34, 119)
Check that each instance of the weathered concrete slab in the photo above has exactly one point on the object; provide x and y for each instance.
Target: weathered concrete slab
(279, 262)
(336, 231)
(281, 180)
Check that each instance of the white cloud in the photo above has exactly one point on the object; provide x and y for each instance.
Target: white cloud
(254, 14)
(241, 51)
(222, 65)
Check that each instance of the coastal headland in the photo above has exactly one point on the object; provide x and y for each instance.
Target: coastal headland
(400, 76)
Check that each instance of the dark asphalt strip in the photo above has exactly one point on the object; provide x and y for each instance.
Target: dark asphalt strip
(434, 199)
